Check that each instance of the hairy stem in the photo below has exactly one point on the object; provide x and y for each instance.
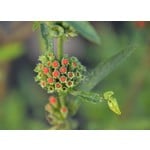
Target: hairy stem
(45, 35)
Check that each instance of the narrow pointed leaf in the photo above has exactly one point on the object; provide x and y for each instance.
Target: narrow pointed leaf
(86, 30)
(104, 69)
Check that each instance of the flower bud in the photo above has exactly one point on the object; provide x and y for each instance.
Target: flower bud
(70, 75)
(43, 84)
(70, 84)
(53, 101)
(63, 70)
(48, 108)
(65, 61)
(55, 64)
(56, 73)
(45, 70)
(74, 64)
(50, 80)
(49, 63)
(64, 111)
(58, 86)
(50, 89)
(63, 79)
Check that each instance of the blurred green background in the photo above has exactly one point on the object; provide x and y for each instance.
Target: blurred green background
(22, 100)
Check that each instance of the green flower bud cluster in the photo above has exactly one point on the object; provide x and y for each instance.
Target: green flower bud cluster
(59, 29)
(56, 112)
(56, 75)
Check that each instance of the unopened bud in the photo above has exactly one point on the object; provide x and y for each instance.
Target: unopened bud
(45, 70)
(65, 61)
(43, 84)
(50, 80)
(64, 111)
(63, 79)
(63, 69)
(55, 64)
(53, 101)
(56, 73)
(48, 108)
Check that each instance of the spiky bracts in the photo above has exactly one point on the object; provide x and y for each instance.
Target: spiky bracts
(58, 75)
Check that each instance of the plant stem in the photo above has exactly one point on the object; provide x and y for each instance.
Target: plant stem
(45, 35)
(60, 48)
(62, 99)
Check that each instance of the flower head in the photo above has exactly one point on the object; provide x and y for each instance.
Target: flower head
(58, 75)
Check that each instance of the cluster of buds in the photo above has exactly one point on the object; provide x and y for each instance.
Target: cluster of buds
(59, 29)
(56, 75)
(56, 111)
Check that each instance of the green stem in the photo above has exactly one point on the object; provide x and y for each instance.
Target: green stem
(45, 35)
(60, 48)
(62, 99)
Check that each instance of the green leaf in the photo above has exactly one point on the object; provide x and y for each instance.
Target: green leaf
(86, 30)
(104, 69)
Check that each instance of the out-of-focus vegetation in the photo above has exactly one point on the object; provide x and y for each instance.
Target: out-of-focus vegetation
(22, 100)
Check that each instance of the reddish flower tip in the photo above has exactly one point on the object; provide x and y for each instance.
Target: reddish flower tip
(55, 64)
(70, 74)
(64, 109)
(63, 79)
(50, 80)
(56, 73)
(74, 64)
(63, 69)
(52, 100)
(140, 24)
(49, 63)
(45, 70)
(58, 85)
(65, 61)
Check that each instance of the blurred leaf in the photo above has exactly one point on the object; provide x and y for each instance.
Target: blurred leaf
(10, 52)
(13, 112)
(86, 30)
(36, 25)
(103, 69)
